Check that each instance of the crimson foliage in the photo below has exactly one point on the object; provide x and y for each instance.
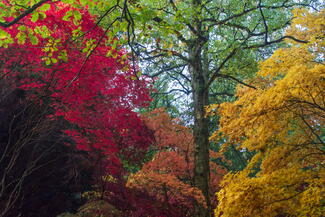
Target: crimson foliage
(88, 83)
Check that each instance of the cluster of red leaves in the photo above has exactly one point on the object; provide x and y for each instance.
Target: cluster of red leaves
(138, 203)
(95, 92)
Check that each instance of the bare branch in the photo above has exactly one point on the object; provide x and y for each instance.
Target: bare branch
(174, 90)
(275, 41)
(264, 22)
(235, 79)
(166, 69)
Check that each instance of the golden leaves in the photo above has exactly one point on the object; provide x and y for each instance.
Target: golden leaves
(282, 191)
(283, 120)
(309, 27)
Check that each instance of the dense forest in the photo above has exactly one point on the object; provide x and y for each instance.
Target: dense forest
(162, 108)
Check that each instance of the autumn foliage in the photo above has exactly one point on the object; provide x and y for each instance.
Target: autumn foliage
(169, 175)
(65, 62)
(65, 58)
(283, 122)
(74, 131)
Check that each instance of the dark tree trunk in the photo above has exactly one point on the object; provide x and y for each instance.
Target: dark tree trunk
(201, 127)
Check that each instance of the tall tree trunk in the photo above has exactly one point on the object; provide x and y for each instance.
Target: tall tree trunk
(201, 127)
(199, 74)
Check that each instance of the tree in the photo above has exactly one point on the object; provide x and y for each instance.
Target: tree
(94, 89)
(168, 176)
(69, 65)
(283, 121)
(39, 173)
(209, 39)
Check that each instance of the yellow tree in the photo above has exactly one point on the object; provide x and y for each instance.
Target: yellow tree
(283, 122)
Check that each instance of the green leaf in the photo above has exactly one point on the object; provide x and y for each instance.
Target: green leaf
(22, 28)
(42, 15)
(77, 15)
(63, 56)
(35, 17)
(43, 31)
(67, 16)
(114, 45)
(84, 2)
(53, 60)
(48, 61)
(21, 36)
(123, 26)
(45, 7)
(3, 34)
(33, 39)
(68, 1)
(109, 53)
(75, 22)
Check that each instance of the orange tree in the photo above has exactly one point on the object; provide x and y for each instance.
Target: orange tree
(283, 122)
(169, 175)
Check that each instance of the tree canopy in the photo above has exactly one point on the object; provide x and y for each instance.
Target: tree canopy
(283, 121)
(241, 131)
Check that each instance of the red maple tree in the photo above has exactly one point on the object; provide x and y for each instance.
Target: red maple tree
(71, 63)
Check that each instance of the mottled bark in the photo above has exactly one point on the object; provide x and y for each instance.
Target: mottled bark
(201, 126)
